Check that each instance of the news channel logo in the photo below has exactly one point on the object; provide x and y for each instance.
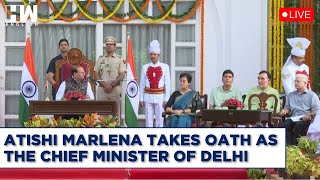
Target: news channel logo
(296, 14)
(27, 15)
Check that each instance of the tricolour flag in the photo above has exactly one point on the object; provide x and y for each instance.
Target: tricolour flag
(29, 83)
(132, 90)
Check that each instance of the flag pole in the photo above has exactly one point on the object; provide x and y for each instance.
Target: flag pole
(126, 78)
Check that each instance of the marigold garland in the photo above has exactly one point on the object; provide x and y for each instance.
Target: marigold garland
(275, 42)
(282, 45)
(57, 12)
(4, 2)
(105, 9)
(98, 19)
(188, 16)
(153, 20)
(69, 19)
(55, 16)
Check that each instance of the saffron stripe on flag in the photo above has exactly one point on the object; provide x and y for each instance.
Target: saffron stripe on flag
(132, 90)
(29, 83)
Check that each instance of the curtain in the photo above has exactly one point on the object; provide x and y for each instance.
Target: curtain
(45, 39)
(141, 36)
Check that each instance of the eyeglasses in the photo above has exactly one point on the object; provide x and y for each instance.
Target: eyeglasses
(109, 44)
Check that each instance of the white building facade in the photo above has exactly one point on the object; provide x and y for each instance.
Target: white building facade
(235, 37)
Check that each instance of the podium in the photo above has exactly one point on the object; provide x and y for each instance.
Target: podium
(237, 116)
(72, 107)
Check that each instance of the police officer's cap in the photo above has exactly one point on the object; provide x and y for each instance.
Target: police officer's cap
(110, 39)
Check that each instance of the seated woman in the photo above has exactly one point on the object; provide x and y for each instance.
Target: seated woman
(183, 104)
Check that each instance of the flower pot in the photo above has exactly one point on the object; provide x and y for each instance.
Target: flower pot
(298, 176)
(74, 99)
(232, 107)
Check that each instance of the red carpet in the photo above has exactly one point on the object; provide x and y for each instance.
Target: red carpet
(78, 173)
(188, 174)
(75, 173)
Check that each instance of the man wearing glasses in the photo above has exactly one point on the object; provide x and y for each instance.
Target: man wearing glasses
(109, 71)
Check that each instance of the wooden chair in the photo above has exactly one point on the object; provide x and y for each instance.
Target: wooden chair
(263, 97)
(204, 100)
(74, 57)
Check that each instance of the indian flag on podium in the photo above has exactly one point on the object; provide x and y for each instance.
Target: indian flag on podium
(132, 90)
(29, 83)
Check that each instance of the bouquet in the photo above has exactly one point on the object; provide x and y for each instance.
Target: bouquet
(233, 103)
(74, 95)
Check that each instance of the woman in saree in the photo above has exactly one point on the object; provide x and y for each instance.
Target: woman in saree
(183, 104)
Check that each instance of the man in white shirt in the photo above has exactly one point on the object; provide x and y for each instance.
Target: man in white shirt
(314, 129)
(75, 84)
(154, 86)
(294, 63)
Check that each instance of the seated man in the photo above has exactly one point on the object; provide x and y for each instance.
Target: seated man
(183, 104)
(222, 93)
(264, 80)
(75, 84)
(302, 102)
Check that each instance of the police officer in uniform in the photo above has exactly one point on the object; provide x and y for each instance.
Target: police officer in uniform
(110, 70)
(154, 86)
(294, 63)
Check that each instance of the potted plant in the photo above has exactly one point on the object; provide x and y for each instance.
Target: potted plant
(301, 160)
(233, 103)
(89, 120)
(257, 173)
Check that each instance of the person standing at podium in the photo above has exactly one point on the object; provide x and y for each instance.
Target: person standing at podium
(63, 48)
(77, 84)
(109, 71)
(154, 86)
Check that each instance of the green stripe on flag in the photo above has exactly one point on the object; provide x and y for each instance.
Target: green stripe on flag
(23, 110)
(131, 118)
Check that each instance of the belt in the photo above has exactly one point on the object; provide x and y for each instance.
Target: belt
(154, 90)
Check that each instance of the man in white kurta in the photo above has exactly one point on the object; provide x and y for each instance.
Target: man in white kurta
(155, 86)
(294, 63)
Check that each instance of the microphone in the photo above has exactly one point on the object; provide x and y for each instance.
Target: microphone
(93, 80)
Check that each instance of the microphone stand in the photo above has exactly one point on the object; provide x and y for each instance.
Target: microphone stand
(93, 80)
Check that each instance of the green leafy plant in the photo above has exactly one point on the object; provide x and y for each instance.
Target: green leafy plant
(257, 173)
(89, 120)
(301, 159)
(307, 145)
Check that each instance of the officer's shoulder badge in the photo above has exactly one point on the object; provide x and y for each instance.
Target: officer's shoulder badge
(124, 61)
(285, 76)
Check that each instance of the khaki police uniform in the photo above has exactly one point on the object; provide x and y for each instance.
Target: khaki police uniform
(109, 69)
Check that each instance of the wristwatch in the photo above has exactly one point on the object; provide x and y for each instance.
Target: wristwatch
(183, 111)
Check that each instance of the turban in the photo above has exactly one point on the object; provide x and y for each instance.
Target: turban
(299, 46)
(154, 47)
(302, 74)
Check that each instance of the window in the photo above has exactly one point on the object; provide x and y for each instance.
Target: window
(178, 47)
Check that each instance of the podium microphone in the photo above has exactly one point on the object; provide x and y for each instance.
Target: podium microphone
(93, 80)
